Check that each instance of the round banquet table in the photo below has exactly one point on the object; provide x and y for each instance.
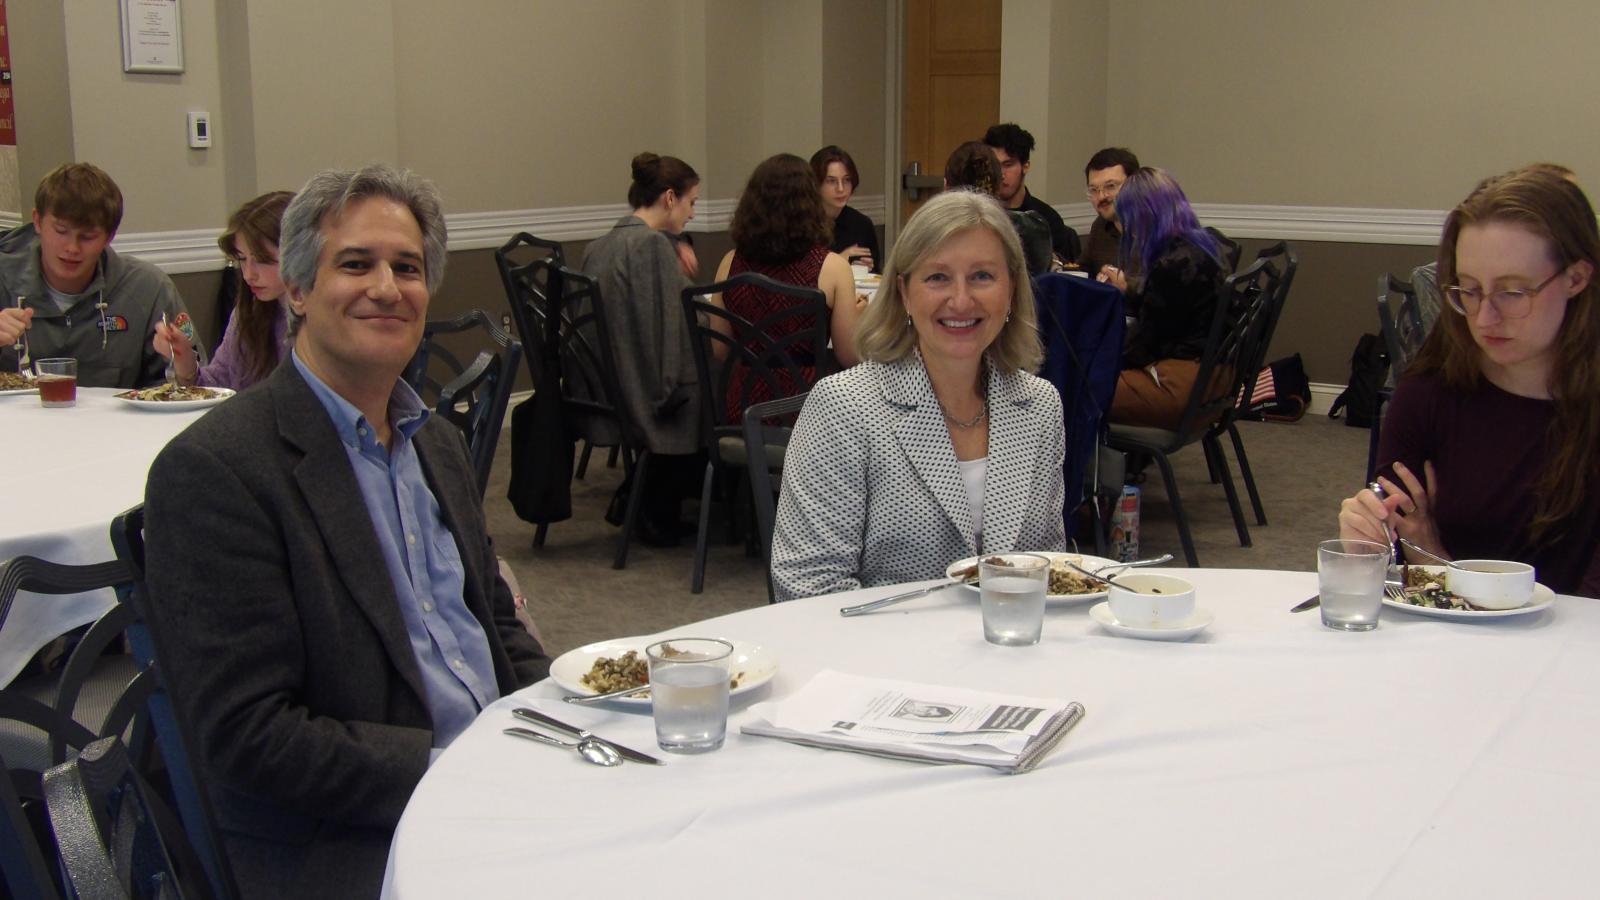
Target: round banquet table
(1268, 757)
(76, 469)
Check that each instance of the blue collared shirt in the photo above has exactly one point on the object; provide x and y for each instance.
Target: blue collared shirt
(420, 554)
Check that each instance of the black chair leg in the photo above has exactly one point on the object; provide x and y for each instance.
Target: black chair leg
(1212, 469)
(1372, 438)
(1249, 478)
(539, 533)
(641, 469)
(697, 582)
(583, 461)
(1184, 536)
(1228, 489)
(611, 459)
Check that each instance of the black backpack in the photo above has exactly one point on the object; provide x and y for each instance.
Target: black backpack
(1369, 369)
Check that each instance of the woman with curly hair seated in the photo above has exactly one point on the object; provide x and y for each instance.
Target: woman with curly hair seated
(780, 230)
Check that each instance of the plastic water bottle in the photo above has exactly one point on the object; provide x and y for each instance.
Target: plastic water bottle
(1125, 525)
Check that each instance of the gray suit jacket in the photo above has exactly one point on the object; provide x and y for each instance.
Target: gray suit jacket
(282, 642)
(872, 493)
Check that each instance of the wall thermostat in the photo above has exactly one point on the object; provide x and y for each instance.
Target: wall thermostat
(199, 130)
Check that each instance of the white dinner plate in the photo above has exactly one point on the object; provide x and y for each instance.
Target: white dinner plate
(174, 405)
(1542, 598)
(1091, 563)
(1196, 623)
(752, 664)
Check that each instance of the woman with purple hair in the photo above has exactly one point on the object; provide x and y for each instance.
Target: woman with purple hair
(1172, 275)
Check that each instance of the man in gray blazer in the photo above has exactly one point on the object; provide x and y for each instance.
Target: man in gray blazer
(324, 596)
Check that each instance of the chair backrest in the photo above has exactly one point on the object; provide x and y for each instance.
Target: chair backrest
(768, 425)
(172, 740)
(115, 837)
(1401, 322)
(1082, 326)
(1240, 316)
(530, 295)
(742, 362)
(590, 390)
(37, 724)
(1231, 251)
(472, 397)
(1281, 263)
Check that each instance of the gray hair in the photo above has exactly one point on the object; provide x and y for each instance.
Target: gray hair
(328, 193)
(885, 333)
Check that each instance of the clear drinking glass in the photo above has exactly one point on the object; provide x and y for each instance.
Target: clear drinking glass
(689, 693)
(1012, 588)
(1350, 578)
(57, 380)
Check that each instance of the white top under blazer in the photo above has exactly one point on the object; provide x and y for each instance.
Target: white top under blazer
(873, 494)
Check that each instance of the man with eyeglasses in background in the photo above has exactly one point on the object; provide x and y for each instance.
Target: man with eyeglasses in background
(1013, 146)
(1104, 175)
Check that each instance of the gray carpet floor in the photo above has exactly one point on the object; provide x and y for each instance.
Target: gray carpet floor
(1303, 470)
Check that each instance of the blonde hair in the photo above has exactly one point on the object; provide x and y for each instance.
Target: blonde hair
(885, 332)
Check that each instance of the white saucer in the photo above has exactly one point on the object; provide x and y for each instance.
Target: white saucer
(1101, 614)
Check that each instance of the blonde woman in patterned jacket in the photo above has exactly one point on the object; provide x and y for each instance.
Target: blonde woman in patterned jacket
(941, 444)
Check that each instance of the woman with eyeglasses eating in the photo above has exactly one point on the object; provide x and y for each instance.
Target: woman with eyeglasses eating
(1488, 448)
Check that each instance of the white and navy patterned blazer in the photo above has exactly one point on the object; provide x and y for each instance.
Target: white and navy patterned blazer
(872, 493)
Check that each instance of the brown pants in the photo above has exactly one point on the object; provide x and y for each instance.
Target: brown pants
(1157, 401)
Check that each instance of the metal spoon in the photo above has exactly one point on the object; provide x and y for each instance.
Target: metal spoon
(612, 695)
(1433, 556)
(590, 749)
(1153, 561)
(1081, 570)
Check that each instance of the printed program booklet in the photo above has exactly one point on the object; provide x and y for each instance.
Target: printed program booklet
(923, 722)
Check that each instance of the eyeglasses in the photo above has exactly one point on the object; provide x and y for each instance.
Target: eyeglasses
(1510, 304)
(1109, 189)
(832, 182)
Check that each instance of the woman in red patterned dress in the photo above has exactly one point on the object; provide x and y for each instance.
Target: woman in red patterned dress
(780, 229)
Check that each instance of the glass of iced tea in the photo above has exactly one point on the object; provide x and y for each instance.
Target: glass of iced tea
(57, 380)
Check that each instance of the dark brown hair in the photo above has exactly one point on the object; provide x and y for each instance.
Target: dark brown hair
(973, 165)
(257, 225)
(655, 175)
(780, 216)
(1548, 205)
(81, 194)
(828, 155)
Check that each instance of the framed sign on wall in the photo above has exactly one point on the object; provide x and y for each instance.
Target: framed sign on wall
(152, 36)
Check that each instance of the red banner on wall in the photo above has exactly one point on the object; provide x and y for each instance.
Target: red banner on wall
(8, 117)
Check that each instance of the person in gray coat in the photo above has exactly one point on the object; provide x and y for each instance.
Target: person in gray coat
(641, 279)
(941, 445)
(65, 293)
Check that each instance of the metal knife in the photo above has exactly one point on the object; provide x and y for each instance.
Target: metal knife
(533, 715)
(1304, 605)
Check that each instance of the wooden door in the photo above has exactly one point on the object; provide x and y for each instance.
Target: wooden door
(952, 81)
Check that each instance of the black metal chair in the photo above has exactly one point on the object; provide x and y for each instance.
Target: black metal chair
(535, 302)
(172, 739)
(44, 719)
(1240, 313)
(115, 836)
(767, 428)
(473, 397)
(1400, 321)
(590, 393)
(742, 363)
(1283, 261)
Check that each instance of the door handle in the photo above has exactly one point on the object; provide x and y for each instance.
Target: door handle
(914, 182)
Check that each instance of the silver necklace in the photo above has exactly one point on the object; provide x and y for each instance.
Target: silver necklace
(970, 423)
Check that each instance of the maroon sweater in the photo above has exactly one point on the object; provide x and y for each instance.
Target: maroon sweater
(1489, 449)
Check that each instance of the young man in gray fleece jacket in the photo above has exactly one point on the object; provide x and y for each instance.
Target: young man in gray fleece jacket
(65, 293)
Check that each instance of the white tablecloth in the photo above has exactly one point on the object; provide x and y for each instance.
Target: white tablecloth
(72, 470)
(1270, 757)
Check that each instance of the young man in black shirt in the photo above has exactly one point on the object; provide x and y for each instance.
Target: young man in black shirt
(1013, 146)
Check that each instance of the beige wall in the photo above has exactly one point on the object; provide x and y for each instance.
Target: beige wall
(1365, 103)
(853, 112)
(42, 92)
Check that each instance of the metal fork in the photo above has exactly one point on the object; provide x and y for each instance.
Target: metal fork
(21, 347)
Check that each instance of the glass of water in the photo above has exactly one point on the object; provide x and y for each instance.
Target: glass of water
(1350, 578)
(689, 693)
(1012, 588)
